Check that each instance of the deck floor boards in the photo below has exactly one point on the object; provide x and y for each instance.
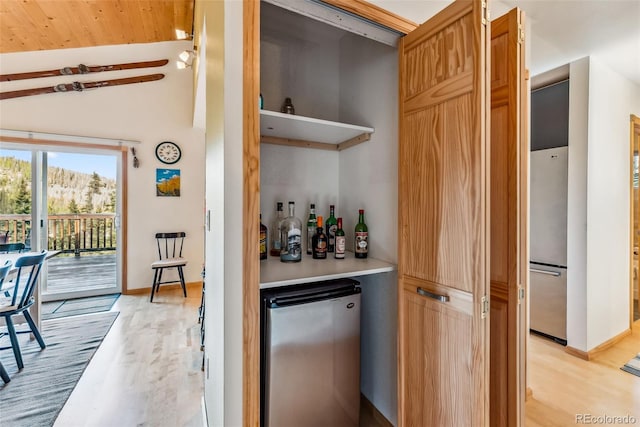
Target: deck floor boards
(86, 272)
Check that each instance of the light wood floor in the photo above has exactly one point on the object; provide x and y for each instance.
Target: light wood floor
(147, 373)
(147, 370)
(564, 385)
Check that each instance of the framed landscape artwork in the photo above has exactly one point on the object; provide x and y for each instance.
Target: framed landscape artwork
(168, 182)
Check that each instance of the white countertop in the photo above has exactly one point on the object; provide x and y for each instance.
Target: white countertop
(274, 273)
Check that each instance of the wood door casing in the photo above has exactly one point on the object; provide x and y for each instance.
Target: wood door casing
(509, 157)
(443, 361)
(251, 214)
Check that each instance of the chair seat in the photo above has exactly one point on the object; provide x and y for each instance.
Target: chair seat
(6, 306)
(170, 262)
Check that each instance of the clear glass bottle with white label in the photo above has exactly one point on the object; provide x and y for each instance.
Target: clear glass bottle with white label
(291, 237)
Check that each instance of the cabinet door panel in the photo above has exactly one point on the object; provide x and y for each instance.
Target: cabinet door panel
(443, 220)
(445, 362)
(509, 159)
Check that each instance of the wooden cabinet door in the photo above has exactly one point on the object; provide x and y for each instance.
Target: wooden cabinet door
(509, 255)
(443, 249)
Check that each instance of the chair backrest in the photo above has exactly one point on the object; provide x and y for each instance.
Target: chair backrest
(170, 244)
(5, 248)
(4, 236)
(26, 280)
(4, 270)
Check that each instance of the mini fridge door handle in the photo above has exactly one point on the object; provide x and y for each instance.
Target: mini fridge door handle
(550, 273)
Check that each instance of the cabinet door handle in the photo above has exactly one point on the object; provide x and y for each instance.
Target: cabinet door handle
(550, 273)
(425, 293)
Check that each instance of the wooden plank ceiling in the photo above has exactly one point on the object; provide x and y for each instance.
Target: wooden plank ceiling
(32, 25)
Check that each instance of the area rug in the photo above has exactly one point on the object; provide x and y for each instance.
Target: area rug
(77, 306)
(36, 394)
(633, 366)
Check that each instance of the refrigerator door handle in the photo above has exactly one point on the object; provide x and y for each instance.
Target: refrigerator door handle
(550, 273)
(425, 293)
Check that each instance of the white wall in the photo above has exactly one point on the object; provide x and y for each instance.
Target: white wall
(577, 205)
(233, 221)
(224, 176)
(612, 98)
(147, 112)
(601, 101)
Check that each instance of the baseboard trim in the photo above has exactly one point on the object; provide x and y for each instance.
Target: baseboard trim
(589, 355)
(577, 353)
(368, 407)
(195, 286)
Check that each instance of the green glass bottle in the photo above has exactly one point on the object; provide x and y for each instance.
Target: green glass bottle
(331, 226)
(361, 237)
(311, 228)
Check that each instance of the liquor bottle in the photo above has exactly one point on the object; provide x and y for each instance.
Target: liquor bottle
(362, 237)
(332, 225)
(291, 237)
(263, 240)
(275, 231)
(319, 242)
(341, 243)
(311, 227)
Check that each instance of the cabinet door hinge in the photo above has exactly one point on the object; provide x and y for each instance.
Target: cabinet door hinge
(520, 294)
(485, 306)
(520, 34)
(485, 13)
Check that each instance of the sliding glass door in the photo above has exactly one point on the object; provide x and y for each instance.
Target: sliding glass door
(67, 201)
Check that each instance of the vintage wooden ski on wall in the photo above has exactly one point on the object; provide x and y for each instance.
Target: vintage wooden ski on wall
(82, 69)
(80, 86)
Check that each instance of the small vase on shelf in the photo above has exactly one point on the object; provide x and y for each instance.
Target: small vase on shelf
(287, 107)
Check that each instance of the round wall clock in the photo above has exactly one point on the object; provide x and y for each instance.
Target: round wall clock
(168, 152)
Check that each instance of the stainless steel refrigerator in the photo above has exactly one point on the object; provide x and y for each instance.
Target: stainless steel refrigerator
(311, 355)
(548, 243)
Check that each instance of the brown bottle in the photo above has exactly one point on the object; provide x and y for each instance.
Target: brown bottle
(319, 242)
(263, 240)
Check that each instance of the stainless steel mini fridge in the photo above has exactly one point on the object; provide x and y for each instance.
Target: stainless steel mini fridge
(311, 351)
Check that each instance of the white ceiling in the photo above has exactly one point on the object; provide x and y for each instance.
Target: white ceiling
(562, 31)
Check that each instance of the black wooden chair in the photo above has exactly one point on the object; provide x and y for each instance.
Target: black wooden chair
(4, 270)
(21, 298)
(169, 256)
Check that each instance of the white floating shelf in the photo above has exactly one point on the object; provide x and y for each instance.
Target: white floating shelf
(288, 129)
(274, 273)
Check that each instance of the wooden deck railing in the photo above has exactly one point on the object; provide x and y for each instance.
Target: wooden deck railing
(67, 232)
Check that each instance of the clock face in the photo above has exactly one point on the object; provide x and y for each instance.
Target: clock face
(168, 152)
